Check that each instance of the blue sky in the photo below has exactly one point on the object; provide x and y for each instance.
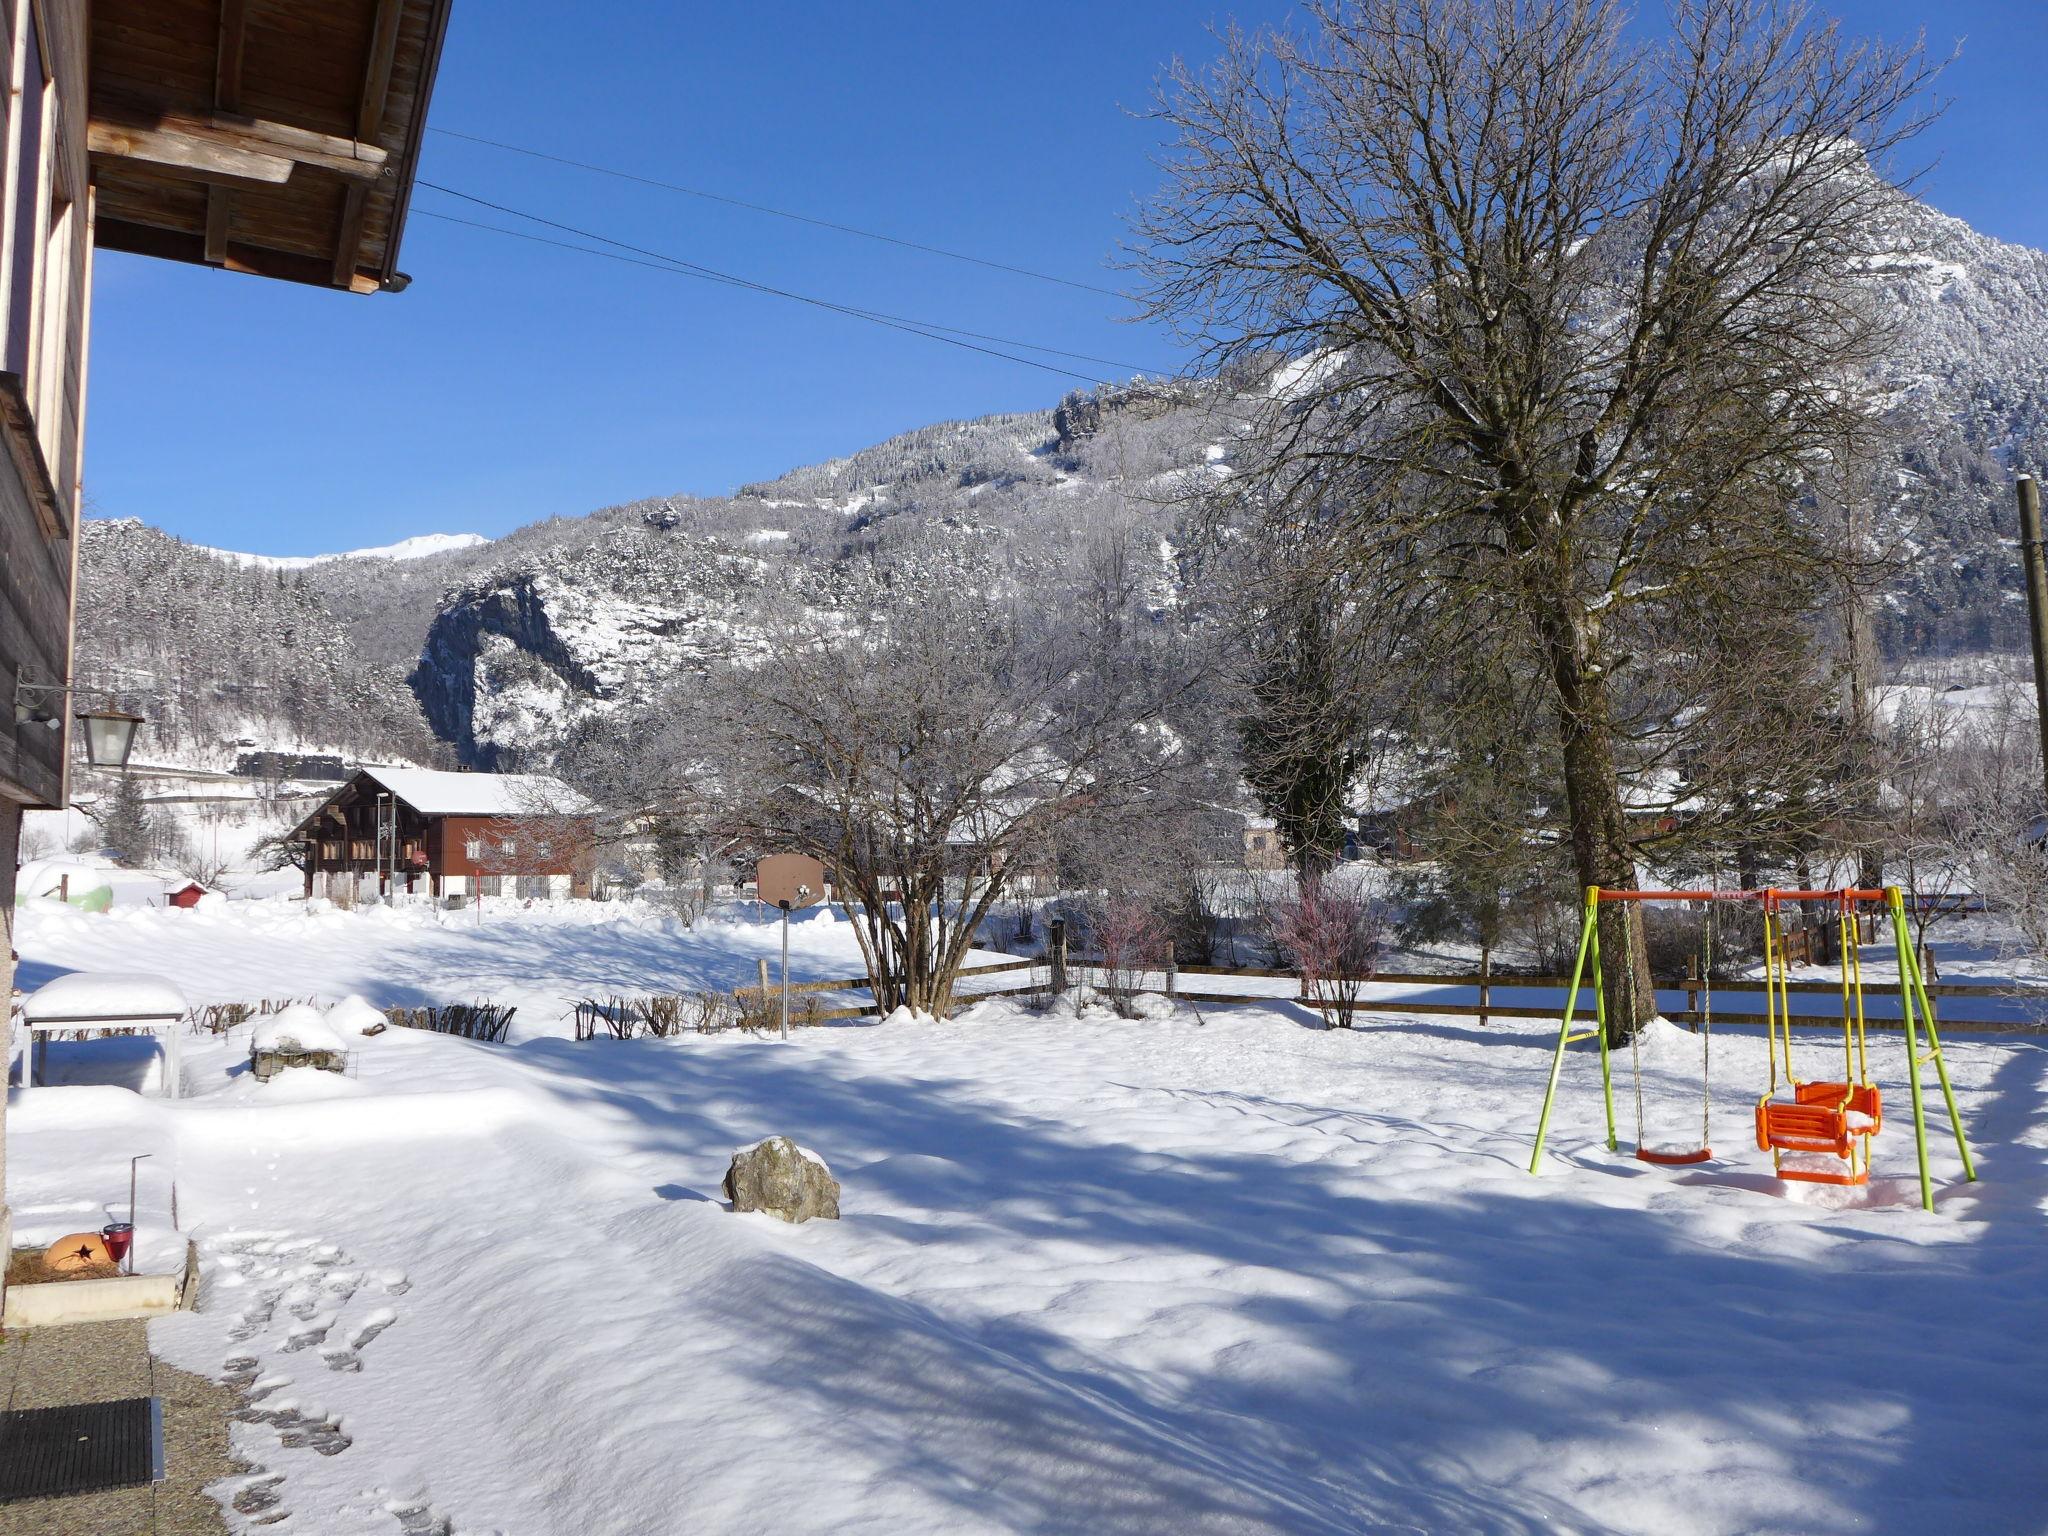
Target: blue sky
(513, 382)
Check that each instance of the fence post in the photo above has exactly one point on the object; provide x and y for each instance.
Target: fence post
(1692, 992)
(1172, 972)
(1057, 950)
(1485, 984)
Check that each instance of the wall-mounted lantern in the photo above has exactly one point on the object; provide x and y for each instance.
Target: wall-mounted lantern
(109, 732)
(109, 736)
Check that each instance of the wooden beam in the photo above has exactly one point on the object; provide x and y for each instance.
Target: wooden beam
(354, 203)
(377, 71)
(227, 144)
(201, 159)
(227, 97)
(217, 224)
(348, 242)
(175, 245)
(227, 69)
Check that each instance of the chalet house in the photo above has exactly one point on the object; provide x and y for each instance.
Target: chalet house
(271, 137)
(422, 832)
(1263, 846)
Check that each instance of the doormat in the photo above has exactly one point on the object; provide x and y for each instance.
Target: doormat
(81, 1448)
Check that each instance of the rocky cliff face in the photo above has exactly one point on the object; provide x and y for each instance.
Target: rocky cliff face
(576, 618)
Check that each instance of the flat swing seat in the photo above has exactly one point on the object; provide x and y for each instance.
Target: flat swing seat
(1678, 1159)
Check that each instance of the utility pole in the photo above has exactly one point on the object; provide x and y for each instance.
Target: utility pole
(2035, 563)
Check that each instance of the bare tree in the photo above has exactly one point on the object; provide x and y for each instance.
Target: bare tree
(1574, 315)
(1999, 823)
(928, 760)
(1924, 829)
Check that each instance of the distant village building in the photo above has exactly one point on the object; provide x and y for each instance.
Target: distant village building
(1263, 847)
(426, 832)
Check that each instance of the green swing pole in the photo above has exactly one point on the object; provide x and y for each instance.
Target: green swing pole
(1588, 941)
(1948, 1093)
(1900, 946)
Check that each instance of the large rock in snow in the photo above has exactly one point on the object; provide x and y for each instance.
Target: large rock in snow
(783, 1179)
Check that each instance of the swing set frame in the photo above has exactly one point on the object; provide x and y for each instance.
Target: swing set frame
(1783, 1126)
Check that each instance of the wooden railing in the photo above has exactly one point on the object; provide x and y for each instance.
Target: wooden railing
(1482, 1005)
(769, 989)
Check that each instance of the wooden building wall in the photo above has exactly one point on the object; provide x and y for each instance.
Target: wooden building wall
(341, 839)
(45, 297)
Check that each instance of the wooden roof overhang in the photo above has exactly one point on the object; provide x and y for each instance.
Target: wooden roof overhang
(275, 137)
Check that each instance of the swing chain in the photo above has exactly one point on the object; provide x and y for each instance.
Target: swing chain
(1707, 1033)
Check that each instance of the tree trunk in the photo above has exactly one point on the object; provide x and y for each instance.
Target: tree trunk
(1601, 854)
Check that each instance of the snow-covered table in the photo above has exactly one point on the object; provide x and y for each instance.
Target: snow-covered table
(107, 1000)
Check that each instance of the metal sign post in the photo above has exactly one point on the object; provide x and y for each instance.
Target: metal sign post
(789, 880)
(785, 968)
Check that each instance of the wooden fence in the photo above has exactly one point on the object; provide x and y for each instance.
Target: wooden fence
(1698, 997)
(1482, 1006)
(768, 991)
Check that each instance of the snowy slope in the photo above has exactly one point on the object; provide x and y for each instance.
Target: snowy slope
(1200, 1274)
(418, 547)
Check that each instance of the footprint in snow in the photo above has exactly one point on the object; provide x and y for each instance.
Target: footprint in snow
(373, 1325)
(302, 1291)
(420, 1520)
(314, 1331)
(261, 1497)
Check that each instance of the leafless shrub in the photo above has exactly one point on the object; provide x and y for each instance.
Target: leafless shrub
(219, 1018)
(663, 1015)
(488, 1022)
(1130, 941)
(1333, 936)
(712, 1012)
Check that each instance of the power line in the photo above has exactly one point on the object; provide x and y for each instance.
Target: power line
(683, 267)
(662, 266)
(780, 213)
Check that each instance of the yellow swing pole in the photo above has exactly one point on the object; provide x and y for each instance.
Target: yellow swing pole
(1849, 1007)
(1589, 948)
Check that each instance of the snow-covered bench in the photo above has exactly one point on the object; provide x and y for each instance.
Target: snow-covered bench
(106, 1000)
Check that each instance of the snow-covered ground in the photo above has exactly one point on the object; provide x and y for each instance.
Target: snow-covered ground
(1216, 1272)
(541, 957)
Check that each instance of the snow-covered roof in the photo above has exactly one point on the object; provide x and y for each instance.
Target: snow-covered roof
(104, 995)
(435, 793)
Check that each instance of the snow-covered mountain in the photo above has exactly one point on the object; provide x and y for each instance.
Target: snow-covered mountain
(509, 643)
(418, 547)
(215, 653)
